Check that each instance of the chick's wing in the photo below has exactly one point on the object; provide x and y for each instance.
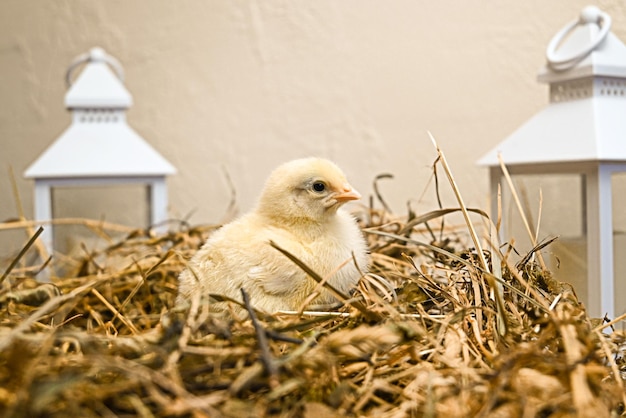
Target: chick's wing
(275, 279)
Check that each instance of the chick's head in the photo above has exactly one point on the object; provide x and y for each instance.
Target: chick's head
(305, 190)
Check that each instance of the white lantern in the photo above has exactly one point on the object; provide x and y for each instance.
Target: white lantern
(582, 131)
(98, 147)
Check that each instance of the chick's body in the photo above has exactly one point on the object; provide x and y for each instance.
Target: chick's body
(299, 210)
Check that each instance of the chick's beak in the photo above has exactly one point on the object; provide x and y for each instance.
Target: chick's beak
(347, 194)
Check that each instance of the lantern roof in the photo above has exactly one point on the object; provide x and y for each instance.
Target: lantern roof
(586, 71)
(108, 150)
(592, 129)
(99, 142)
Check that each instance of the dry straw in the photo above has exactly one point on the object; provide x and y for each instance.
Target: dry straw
(421, 336)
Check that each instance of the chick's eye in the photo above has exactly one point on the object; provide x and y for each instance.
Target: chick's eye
(319, 187)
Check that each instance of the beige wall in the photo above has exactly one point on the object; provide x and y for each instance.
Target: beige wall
(240, 86)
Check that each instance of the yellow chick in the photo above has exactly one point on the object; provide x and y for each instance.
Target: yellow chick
(300, 210)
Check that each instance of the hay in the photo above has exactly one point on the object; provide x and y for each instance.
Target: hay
(419, 337)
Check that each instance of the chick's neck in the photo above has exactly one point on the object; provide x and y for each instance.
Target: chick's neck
(306, 227)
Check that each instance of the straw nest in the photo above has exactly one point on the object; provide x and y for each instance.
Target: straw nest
(436, 330)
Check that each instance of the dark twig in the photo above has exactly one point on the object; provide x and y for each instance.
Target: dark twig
(377, 192)
(30, 242)
(266, 356)
(520, 264)
(277, 336)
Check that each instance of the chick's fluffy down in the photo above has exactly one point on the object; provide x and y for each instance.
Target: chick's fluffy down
(294, 214)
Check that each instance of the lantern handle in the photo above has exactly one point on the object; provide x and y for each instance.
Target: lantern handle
(94, 55)
(590, 14)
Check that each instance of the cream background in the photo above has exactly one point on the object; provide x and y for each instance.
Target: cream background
(238, 87)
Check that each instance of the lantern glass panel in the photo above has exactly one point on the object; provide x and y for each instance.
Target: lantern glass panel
(123, 204)
(560, 202)
(556, 202)
(553, 201)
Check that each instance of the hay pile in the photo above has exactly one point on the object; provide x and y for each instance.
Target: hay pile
(437, 329)
(107, 341)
